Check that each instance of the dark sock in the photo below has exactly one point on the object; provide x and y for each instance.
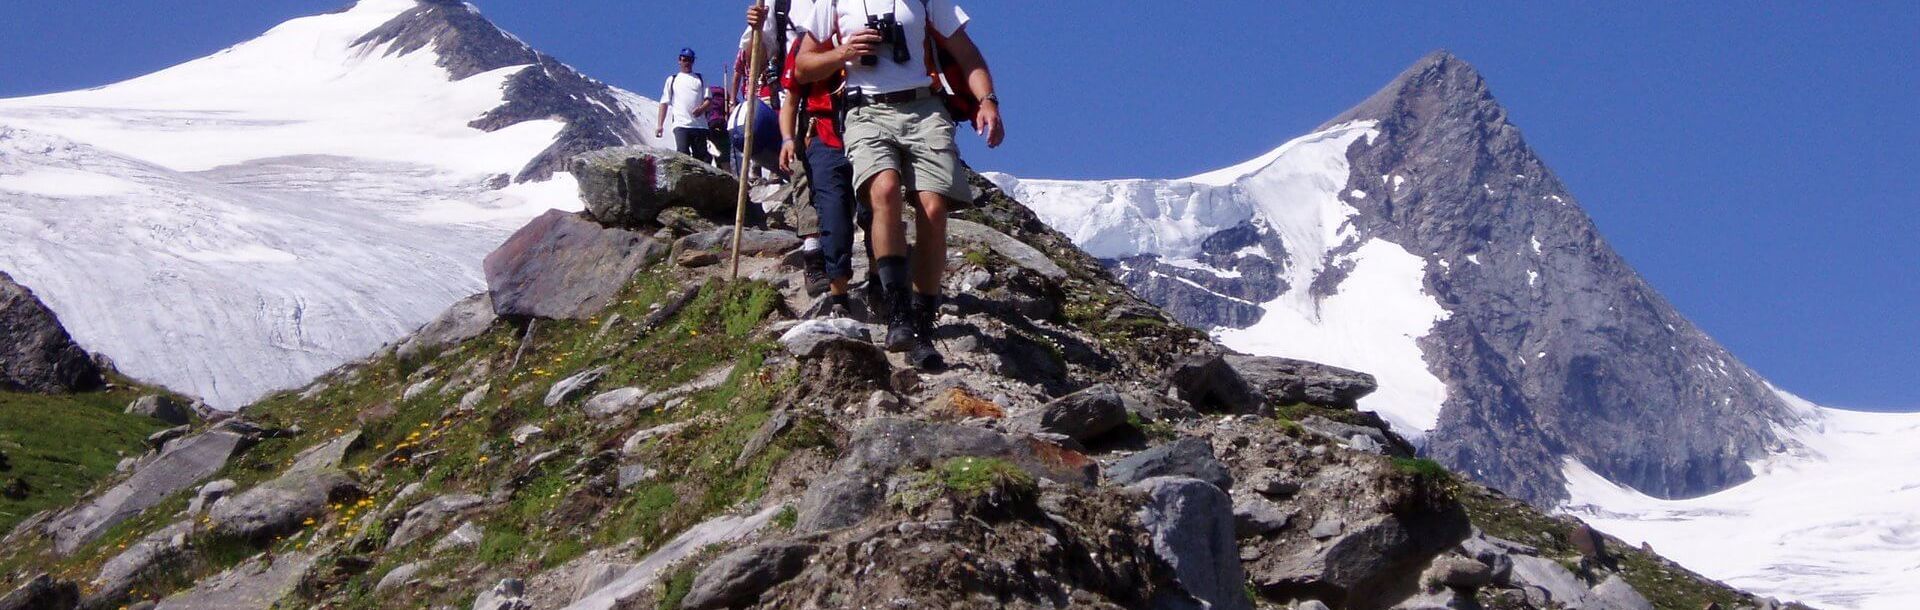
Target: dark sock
(839, 299)
(893, 271)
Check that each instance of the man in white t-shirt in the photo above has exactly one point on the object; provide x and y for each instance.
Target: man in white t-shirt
(900, 138)
(683, 102)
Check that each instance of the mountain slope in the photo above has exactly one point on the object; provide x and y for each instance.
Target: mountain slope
(245, 221)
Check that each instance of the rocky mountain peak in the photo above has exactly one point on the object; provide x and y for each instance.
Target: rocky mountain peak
(1436, 84)
(468, 44)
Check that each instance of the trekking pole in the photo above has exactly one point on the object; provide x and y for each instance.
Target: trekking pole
(756, 63)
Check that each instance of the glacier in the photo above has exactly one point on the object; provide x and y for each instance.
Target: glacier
(243, 222)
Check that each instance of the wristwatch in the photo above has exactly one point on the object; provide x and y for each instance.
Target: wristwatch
(992, 97)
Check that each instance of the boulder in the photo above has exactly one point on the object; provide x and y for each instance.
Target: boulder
(184, 463)
(562, 266)
(1187, 457)
(256, 584)
(630, 186)
(1208, 383)
(753, 242)
(853, 489)
(1254, 516)
(284, 505)
(1615, 594)
(1285, 381)
(1359, 438)
(1561, 586)
(399, 576)
(36, 353)
(429, 517)
(737, 579)
(325, 455)
(508, 594)
(1457, 572)
(120, 574)
(467, 536)
(466, 319)
(43, 592)
(1082, 416)
(575, 385)
(968, 233)
(1192, 526)
(209, 494)
(163, 408)
(811, 338)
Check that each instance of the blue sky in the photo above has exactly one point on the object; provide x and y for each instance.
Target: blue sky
(1759, 162)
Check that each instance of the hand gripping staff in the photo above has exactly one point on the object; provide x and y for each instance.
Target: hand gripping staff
(757, 64)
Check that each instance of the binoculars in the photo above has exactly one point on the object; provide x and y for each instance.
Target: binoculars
(892, 34)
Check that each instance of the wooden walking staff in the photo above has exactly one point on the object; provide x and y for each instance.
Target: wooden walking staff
(757, 64)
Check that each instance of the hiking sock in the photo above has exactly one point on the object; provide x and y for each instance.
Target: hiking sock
(894, 273)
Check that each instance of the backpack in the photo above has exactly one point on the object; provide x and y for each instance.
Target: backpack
(716, 108)
(949, 79)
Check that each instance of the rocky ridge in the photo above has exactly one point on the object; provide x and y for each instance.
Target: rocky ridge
(691, 442)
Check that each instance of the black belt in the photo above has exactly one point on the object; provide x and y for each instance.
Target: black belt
(857, 99)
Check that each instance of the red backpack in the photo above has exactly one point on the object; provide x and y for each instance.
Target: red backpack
(949, 79)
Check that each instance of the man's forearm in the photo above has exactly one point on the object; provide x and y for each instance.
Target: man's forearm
(815, 64)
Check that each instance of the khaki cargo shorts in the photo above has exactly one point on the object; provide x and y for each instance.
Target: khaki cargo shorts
(915, 139)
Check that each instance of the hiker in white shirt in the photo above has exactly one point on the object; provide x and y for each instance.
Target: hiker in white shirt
(899, 135)
(683, 105)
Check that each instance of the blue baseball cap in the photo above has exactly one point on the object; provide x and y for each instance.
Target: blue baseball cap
(686, 53)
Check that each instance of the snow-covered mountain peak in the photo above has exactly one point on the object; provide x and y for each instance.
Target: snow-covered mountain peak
(296, 200)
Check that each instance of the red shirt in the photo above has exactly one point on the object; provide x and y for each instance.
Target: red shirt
(818, 105)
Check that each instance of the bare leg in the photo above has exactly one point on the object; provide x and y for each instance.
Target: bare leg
(930, 255)
(889, 233)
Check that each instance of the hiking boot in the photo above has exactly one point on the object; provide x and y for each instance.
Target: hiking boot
(923, 355)
(837, 306)
(816, 270)
(900, 334)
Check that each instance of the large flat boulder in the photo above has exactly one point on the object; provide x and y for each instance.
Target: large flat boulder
(36, 353)
(854, 488)
(1286, 381)
(565, 267)
(1192, 525)
(283, 505)
(630, 186)
(255, 584)
(183, 464)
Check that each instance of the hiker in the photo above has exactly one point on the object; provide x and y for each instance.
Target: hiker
(899, 136)
(824, 189)
(714, 112)
(682, 104)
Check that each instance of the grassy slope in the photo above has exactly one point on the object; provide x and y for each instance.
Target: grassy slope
(60, 446)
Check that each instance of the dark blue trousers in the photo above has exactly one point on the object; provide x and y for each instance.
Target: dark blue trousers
(840, 210)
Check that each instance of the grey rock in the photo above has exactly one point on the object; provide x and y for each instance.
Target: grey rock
(753, 242)
(638, 441)
(596, 576)
(853, 489)
(1286, 381)
(184, 463)
(1187, 457)
(467, 536)
(508, 594)
(1371, 559)
(470, 317)
(471, 400)
(1325, 528)
(1359, 438)
(1560, 585)
(811, 338)
(575, 385)
(280, 506)
(1254, 517)
(1208, 383)
(1273, 484)
(968, 233)
(1615, 594)
(399, 576)
(163, 408)
(209, 494)
(526, 433)
(1499, 560)
(159, 440)
(43, 592)
(1082, 416)
(738, 578)
(614, 402)
(326, 455)
(430, 516)
(562, 266)
(256, 584)
(1192, 526)
(633, 474)
(1452, 570)
(36, 353)
(1444, 598)
(145, 557)
(625, 400)
(1311, 604)
(630, 187)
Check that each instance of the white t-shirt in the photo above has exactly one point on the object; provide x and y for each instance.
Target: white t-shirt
(682, 93)
(798, 12)
(886, 76)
